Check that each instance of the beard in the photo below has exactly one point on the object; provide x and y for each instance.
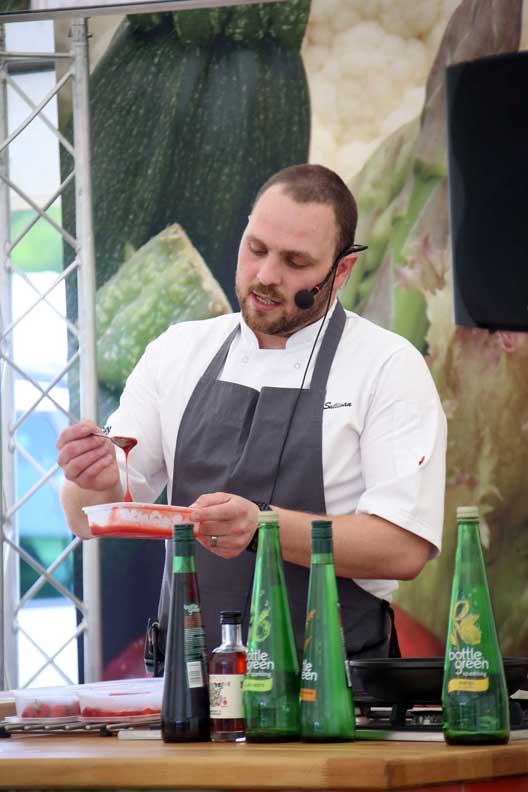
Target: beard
(285, 321)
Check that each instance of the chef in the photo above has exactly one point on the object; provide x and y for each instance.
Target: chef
(292, 403)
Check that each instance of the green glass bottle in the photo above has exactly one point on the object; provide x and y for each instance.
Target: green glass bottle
(185, 702)
(475, 699)
(327, 704)
(271, 685)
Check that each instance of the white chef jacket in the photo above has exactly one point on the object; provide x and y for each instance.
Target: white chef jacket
(384, 430)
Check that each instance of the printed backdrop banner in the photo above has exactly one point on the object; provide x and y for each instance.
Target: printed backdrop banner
(190, 113)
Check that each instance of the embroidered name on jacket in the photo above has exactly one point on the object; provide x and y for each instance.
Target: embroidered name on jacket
(334, 405)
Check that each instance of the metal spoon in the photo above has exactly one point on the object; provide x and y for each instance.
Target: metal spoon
(126, 443)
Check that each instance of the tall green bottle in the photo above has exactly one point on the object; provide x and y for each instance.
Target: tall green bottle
(271, 685)
(327, 705)
(185, 702)
(474, 696)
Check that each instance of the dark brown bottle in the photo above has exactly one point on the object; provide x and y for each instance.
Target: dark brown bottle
(227, 666)
(185, 704)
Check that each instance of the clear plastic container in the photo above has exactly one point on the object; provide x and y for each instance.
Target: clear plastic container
(122, 702)
(135, 520)
(45, 703)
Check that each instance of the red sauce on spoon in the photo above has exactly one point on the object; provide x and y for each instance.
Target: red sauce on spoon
(127, 444)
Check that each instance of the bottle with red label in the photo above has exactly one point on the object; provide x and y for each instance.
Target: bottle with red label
(227, 666)
(185, 703)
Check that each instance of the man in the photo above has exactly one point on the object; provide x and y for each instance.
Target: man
(221, 419)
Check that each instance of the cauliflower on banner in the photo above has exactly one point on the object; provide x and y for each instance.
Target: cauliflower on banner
(367, 62)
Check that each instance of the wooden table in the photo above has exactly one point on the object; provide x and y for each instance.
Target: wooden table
(87, 761)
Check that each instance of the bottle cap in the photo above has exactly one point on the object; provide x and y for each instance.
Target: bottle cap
(321, 529)
(467, 513)
(268, 517)
(230, 617)
(183, 544)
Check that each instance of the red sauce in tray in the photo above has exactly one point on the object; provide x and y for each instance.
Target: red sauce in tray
(131, 531)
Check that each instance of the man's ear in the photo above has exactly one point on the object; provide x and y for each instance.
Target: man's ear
(344, 268)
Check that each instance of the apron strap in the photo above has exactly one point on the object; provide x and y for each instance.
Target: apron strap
(330, 341)
(394, 646)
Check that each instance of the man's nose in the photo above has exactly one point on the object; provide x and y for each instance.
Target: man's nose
(270, 270)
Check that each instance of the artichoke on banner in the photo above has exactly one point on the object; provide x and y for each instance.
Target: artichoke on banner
(405, 285)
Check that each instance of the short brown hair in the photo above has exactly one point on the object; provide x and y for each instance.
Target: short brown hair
(317, 184)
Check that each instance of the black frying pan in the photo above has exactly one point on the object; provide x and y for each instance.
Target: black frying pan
(416, 680)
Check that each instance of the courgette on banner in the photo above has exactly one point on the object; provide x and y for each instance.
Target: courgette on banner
(190, 113)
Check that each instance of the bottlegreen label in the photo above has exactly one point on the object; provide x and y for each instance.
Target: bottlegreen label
(308, 694)
(259, 661)
(307, 673)
(258, 685)
(262, 626)
(471, 667)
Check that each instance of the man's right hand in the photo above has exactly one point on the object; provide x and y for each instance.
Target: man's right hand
(88, 461)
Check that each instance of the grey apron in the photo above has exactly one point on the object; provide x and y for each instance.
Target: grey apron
(229, 440)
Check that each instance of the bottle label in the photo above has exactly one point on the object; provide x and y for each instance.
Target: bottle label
(194, 644)
(469, 664)
(260, 666)
(474, 685)
(307, 673)
(194, 674)
(225, 692)
(258, 685)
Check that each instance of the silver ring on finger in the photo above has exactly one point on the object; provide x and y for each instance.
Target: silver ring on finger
(214, 541)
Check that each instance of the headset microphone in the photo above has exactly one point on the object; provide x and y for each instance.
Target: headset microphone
(305, 298)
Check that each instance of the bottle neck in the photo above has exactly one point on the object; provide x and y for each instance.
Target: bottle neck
(322, 551)
(469, 537)
(468, 526)
(469, 559)
(232, 634)
(268, 538)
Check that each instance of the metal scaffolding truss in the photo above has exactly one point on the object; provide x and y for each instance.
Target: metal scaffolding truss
(82, 358)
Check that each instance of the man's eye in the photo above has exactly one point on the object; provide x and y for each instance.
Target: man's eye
(256, 249)
(294, 264)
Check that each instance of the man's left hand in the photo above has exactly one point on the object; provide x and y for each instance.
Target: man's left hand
(227, 522)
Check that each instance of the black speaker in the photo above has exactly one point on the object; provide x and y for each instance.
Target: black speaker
(487, 134)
